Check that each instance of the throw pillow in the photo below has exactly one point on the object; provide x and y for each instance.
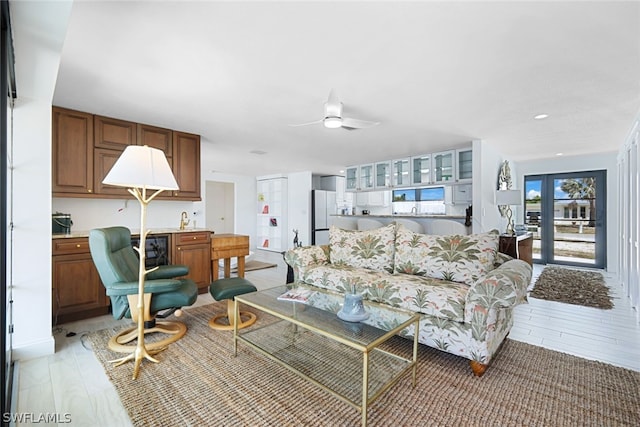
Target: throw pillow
(371, 249)
(457, 258)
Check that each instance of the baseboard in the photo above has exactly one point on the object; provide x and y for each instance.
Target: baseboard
(34, 349)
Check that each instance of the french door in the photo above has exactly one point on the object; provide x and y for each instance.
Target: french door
(566, 212)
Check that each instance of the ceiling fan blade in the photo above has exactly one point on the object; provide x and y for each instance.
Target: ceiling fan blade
(357, 124)
(307, 124)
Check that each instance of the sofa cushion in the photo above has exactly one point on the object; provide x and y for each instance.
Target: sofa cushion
(425, 295)
(370, 249)
(456, 258)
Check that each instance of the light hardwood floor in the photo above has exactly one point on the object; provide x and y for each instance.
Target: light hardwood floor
(72, 381)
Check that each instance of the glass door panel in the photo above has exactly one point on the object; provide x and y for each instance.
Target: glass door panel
(401, 173)
(421, 170)
(566, 214)
(366, 177)
(383, 175)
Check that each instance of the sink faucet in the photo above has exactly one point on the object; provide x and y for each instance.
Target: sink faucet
(414, 210)
(184, 221)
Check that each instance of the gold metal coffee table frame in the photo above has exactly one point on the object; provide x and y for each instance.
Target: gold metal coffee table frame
(305, 324)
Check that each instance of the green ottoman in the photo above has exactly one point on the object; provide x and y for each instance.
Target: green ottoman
(227, 289)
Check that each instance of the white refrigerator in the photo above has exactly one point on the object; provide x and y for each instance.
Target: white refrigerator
(323, 205)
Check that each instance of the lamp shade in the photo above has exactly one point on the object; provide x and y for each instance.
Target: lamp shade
(508, 197)
(142, 166)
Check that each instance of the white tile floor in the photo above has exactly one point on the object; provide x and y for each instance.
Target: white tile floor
(72, 380)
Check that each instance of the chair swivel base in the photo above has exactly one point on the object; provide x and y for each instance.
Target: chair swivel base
(229, 325)
(227, 289)
(175, 330)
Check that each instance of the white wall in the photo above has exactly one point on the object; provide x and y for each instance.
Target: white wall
(93, 213)
(602, 161)
(245, 193)
(36, 71)
(486, 167)
(299, 203)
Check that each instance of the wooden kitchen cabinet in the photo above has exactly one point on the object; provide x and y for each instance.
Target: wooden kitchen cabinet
(193, 249)
(102, 164)
(156, 137)
(111, 137)
(85, 147)
(72, 153)
(186, 165)
(113, 134)
(77, 292)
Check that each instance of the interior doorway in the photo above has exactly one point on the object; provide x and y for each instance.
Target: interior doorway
(220, 206)
(567, 214)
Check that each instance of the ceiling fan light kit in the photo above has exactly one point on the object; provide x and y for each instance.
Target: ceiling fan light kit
(333, 117)
(332, 122)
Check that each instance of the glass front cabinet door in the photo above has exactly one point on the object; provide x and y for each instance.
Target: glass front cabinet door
(383, 175)
(401, 173)
(421, 169)
(464, 162)
(443, 166)
(366, 177)
(351, 179)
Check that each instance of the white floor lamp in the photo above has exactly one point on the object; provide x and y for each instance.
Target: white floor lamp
(141, 168)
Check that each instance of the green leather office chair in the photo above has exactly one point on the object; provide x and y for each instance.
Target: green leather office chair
(118, 267)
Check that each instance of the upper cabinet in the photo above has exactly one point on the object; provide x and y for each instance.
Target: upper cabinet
(366, 177)
(421, 169)
(113, 134)
(186, 165)
(401, 175)
(446, 167)
(85, 147)
(351, 179)
(111, 137)
(464, 165)
(443, 167)
(156, 137)
(72, 152)
(382, 175)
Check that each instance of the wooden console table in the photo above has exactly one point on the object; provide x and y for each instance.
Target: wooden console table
(520, 247)
(227, 246)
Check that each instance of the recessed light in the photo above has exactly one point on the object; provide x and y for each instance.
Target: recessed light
(541, 116)
(559, 154)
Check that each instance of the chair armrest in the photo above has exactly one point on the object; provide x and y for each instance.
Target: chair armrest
(301, 258)
(168, 272)
(503, 287)
(150, 287)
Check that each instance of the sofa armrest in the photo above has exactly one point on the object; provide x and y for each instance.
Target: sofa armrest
(503, 287)
(304, 257)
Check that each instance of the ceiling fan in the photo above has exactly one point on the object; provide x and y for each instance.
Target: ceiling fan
(333, 117)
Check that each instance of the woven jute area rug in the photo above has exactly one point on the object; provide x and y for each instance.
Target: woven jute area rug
(199, 382)
(572, 286)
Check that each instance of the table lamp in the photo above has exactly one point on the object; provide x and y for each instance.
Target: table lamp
(509, 198)
(141, 168)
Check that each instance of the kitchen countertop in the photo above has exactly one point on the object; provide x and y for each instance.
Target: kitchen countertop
(85, 233)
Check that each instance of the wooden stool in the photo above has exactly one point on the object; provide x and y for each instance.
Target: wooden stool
(228, 288)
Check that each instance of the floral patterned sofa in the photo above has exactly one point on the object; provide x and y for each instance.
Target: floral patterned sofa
(464, 289)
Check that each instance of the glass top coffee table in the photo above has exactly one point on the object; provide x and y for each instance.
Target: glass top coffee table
(347, 359)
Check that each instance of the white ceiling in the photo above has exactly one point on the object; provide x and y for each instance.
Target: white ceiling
(435, 74)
